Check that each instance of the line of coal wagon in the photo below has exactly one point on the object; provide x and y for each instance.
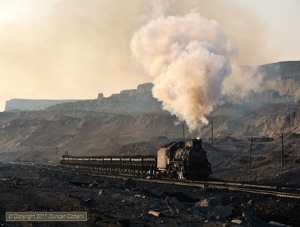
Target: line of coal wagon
(181, 160)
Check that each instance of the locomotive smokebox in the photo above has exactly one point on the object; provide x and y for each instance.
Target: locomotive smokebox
(194, 143)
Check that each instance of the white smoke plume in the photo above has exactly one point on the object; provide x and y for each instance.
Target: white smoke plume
(189, 59)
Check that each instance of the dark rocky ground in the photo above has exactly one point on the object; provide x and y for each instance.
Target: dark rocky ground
(118, 202)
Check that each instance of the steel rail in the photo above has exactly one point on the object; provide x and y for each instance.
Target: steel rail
(232, 186)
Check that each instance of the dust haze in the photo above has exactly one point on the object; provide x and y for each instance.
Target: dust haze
(76, 49)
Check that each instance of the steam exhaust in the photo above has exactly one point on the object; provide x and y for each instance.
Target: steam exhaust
(189, 58)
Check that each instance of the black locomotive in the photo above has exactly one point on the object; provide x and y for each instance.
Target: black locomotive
(182, 160)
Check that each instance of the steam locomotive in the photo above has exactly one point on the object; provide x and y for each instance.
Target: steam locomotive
(182, 160)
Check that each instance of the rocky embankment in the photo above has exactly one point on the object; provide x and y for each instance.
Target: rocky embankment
(118, 202)
(45, 136)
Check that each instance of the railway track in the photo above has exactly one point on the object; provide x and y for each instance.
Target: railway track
(286, 192)
(272, 190)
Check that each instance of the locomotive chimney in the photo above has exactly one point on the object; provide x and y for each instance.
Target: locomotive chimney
(197, 143)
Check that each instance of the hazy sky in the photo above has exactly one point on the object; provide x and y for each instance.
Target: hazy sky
(64, 49)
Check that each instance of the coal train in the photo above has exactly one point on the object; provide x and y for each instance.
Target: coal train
(181, 160)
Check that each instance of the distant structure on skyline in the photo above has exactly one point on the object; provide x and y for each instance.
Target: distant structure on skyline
(32, 104)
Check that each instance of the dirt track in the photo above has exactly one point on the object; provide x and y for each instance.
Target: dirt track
(115, 202)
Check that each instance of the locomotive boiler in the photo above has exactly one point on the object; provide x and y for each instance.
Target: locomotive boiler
(182, 160)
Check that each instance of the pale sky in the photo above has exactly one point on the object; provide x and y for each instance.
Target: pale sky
(282, 26)
(62, 49)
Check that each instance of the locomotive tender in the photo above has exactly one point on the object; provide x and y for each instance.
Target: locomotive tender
(182, 160)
